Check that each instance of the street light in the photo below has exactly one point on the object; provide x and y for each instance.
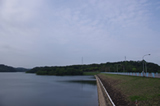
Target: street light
(143, 62)
(117, 67)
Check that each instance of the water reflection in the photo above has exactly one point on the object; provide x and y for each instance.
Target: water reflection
(20, 89)
(92, 82)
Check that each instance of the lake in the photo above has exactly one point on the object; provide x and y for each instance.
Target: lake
(21, 89)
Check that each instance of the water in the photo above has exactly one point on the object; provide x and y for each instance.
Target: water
(20, 89)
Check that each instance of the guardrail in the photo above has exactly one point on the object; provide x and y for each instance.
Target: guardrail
(153, 75)
(112, 103)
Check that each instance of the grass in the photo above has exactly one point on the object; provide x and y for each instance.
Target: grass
(146, 90)
(91, 73)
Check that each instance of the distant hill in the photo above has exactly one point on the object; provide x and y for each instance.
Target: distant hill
(20, 69)
(5, 68)
(122, 66)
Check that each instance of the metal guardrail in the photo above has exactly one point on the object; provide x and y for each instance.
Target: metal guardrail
(153, 75)
(106, 92)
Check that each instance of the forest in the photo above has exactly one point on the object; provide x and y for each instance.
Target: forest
(122, 66)
(5, 68)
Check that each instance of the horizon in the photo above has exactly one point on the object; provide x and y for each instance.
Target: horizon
(76, 64)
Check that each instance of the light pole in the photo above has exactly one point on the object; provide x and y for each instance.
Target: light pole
(117, 67)
(143, 62)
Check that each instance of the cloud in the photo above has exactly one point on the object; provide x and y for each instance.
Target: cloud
(15, 18)
(18, 10)
(60, 32)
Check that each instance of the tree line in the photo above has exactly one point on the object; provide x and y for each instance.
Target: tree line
(63, 70)
(122, 66)
(5, 68)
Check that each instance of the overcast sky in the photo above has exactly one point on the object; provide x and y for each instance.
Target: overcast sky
(61, 32)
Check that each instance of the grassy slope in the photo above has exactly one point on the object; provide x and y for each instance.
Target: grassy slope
(145, 90)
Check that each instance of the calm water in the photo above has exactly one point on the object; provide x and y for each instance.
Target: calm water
(20, 89)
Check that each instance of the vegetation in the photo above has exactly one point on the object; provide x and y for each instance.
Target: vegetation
(90, 73)
(124, 66)
(21, 69)
(145, 90)
(68, 70)
(129, 66)
(4, 68)
(65, 70)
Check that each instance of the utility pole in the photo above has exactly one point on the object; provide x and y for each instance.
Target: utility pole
(82, 64)
(124, 64)
(117, 68)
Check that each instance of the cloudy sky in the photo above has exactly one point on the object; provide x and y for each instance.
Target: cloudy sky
(61, 32)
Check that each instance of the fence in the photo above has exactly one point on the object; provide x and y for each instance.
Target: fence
(153, 75)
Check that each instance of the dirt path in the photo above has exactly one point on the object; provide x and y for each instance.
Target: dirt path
(117, 97)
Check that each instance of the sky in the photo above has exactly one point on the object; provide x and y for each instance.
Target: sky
(62, 32)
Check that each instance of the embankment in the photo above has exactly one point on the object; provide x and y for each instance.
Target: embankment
(132, 90)
(103, 97)
(116, 96)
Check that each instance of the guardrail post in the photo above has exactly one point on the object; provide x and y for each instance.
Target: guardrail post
(146, 74)
(136, 103)
(153, 75)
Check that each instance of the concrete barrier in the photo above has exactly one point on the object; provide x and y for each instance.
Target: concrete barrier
(153, 75)
(102, 94)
